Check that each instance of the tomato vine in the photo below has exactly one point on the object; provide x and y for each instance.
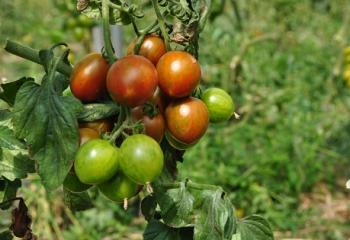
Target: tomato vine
(41, 127)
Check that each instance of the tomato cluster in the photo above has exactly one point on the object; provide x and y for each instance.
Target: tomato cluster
(157, 87)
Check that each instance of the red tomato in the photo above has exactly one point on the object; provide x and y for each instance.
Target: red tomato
(178, 73)
(132, 80)
(101, 126)
(159, 100)
(187, 119)
(87, 134)
(88, 79)
(154, 126)
(152, 48)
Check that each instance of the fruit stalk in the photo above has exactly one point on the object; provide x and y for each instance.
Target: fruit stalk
(162, 25)
(107, 32)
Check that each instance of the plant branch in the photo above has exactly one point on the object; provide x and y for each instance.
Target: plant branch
(33, 55)
(107, 31)
(190, 184)
(162, 25)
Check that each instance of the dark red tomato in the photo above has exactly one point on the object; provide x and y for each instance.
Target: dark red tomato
(88, 79)
(132, 80)
(178, 73)
(152, 48)
(154, 126)
(101, 126)
(187, 119)
(87, 134)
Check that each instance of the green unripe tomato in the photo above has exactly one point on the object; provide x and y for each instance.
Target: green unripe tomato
(142, 158)
(119, 188)
(73, 184)
(96, 161)
(219, 104)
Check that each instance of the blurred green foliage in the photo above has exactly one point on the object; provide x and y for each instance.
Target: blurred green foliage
(294, 129)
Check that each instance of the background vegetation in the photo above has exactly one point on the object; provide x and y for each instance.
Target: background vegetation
(287, 158)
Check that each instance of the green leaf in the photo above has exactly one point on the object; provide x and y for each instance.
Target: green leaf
(48, 123)
(77, 201)
(8, 90)
(8, 140)
(215, 217)
(6, 235)
(176, 205)
(255, 228)
(148, 207)
(159, 231)
(9, 192)
(97, 111)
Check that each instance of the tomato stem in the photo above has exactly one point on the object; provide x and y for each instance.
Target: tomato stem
(107, 32)
(190, 184)
(162, 25)
(33, 55)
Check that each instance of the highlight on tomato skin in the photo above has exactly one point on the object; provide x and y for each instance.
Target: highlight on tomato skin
(187, 119)
(88, 79)
(152, 48)
(179, 74)
(132, 80)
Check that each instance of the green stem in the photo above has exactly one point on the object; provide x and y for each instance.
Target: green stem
(237, 14)
(33, 55)
(107, 32)
(162, 25)
(204, 15)
(190, 184)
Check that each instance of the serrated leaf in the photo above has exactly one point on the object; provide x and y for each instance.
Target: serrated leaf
(10, 191)
(159, 231)
(8, 90)
(77, 201)
(176, 206)
(48, 123)
(255, 228)
(213, 218)
(8, 140)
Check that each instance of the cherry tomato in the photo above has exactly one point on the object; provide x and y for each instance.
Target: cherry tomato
(178, 73)
(96, 161)
(132, 80)
(73, 184)
(187, 119)
(219, 104)
(154, 126)
(152, 48)
(101, 126)
(87, 134)
(176, 143)
(159, 100)
(88, 79)
(119, 188)
(142, 158)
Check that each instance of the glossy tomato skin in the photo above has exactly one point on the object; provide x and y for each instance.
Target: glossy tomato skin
(142, 159)
(96, 161)
(119, 188)
(179, 73)
(152, 48)
(132, 80)
(219, 103)
(101, 126)
(187, 119)
(87, 134)
(88, 79)
(154, 126)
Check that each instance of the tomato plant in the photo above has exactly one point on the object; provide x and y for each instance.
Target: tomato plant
(44, 122)
(152, 48)
(96, 161)
(187, 119)
(132, 80)
(179, 73)
(88, 79)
